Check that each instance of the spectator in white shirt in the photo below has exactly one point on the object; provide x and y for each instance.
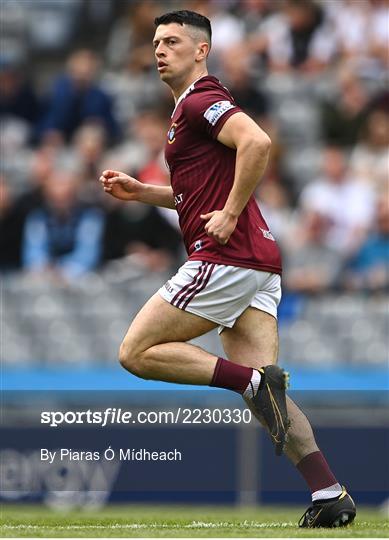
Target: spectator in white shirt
(346, 202)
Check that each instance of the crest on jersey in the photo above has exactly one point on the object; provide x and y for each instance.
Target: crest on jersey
(198, 245)
(267, 234)
(215, 111)
(171, 134)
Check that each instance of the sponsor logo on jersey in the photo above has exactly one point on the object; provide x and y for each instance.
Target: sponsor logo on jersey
(267, 234)
(215, 111)
(198, 245)
(171, 134)
(178, 199)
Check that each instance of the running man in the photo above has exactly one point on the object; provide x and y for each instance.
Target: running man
(216, 155)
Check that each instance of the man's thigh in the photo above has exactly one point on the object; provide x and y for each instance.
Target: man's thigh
(160, 322)
(253, 340)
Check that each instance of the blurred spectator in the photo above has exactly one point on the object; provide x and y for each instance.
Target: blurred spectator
(149, 234)
(151, 128)
(142, 150)
(361, 32)
(14, 151)
(19, 112)
(298, 37)
(227, 29)
(369, 269)
(18, 98)
(380, 100)
(52, 25)
(244, 88)
(11, 226)
(370, 158)
(89, 143)
(379, 32)
(14, 43)
(99, 13)
(140, 231)
(130, 40)
(344, 114)
(61, 236)
(350, 20)
(41, 167)
(252, 12)
(310, 265)
(136, 86)
(15, 206)
(78, 97)
(348, 204)
(275, 207)
(88, 150)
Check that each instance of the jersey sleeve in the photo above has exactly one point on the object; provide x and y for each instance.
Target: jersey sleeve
(208, 111)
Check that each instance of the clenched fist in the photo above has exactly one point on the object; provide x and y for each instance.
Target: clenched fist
(220, 225)
(121, 185)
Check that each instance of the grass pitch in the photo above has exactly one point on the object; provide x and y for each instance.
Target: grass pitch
(130, 521)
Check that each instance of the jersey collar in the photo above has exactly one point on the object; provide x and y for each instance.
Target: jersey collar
(186, 92)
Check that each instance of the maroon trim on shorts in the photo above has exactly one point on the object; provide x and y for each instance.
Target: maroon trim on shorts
(202, 286)
(192, 288)
(185, 288)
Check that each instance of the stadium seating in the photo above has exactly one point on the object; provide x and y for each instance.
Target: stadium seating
(84, 324)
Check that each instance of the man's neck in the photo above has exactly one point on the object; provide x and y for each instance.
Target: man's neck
(180, 89)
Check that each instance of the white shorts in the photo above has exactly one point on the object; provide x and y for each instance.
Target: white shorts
(221, 293)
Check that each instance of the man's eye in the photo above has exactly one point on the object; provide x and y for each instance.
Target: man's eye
(172, 41)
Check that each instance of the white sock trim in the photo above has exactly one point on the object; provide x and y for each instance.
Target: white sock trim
(327, 493)
(252, 387)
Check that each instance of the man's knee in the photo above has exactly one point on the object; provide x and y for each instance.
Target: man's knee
(132, 358)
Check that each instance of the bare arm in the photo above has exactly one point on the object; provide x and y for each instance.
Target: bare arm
(252, 151)
(124, 187)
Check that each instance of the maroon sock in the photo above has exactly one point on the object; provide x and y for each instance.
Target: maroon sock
(316, 472)
(231, 376)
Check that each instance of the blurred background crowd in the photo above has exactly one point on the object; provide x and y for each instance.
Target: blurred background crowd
(79, 93)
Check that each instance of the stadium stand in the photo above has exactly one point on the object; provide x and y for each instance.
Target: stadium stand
(68, 324)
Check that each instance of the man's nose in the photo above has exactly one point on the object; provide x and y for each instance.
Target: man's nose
(159, 51)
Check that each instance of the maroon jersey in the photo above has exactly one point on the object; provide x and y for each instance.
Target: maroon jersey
(202, 174)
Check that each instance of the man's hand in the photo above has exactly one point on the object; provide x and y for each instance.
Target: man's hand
(121, 185)
(220, 225)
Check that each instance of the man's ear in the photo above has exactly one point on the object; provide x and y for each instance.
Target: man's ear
(202, 51)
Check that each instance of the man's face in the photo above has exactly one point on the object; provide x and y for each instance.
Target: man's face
(334, 165)
(176, 52)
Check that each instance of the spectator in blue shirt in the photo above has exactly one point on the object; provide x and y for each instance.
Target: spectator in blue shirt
(78, 97)
(369, 269)
(62, 236)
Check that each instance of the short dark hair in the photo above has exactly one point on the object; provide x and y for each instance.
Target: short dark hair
(185, 16)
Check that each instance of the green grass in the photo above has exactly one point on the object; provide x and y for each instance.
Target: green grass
(128, 521)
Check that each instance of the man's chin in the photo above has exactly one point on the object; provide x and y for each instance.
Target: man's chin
(166, 78)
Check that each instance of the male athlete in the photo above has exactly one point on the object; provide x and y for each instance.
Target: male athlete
(216, 155)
